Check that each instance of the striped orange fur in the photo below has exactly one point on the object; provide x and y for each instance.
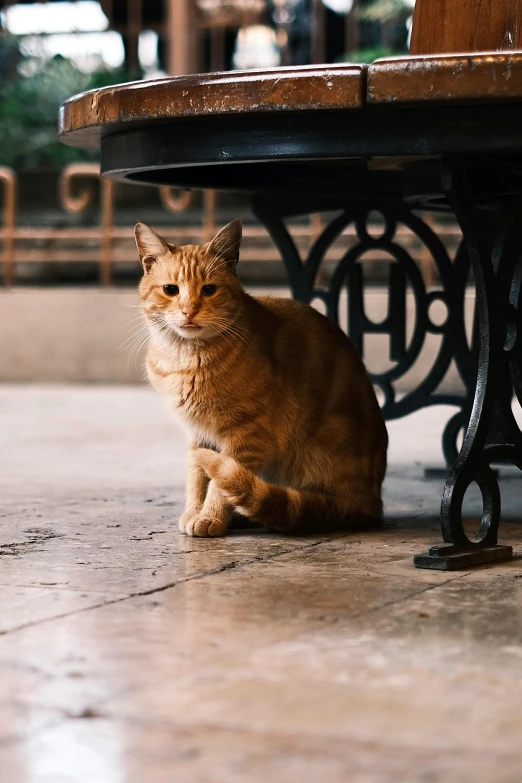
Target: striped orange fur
(283, 422)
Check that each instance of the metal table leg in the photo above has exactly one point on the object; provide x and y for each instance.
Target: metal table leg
(492, 435)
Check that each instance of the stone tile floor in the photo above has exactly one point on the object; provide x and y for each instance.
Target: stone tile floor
(131, 654)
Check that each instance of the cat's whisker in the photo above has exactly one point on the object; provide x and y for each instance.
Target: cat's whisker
(140, 333)
(134, 320)
(138, 318)
(157, 326)
(234, 332)
(135, 349)
(137, 341)
(143, 330)
(137, 328)
(244, 339)
(234, 328)
(224, 336)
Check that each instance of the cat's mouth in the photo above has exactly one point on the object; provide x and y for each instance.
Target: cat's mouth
(188, 329)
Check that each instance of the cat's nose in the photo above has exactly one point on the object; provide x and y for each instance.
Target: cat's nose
(189, 311)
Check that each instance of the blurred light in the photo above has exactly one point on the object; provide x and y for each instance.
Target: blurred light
(340, 6)
(243, 6)
(210, 6)
(284, 11)
(148, 50)
(256, 47)
(88, 51)
(281, 38)
(37, 18)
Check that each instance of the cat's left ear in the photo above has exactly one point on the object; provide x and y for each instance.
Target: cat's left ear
(150, 245)
(226, 243)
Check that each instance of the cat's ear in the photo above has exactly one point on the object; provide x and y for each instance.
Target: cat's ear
(150, 245)
(226, 243)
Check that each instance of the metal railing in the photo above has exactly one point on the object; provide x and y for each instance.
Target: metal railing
(26, 244)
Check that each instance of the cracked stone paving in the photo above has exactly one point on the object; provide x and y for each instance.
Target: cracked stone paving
(132, 654)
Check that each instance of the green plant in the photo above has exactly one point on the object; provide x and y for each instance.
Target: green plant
(29, 103)
(370, 54)
(385, 10)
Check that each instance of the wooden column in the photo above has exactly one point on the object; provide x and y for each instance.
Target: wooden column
(181, 37)
(451, 26)
(318, 32)
(351, 40)
(134, 28)
(217, 49)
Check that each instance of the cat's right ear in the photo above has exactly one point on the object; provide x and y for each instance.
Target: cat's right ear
(150, 245)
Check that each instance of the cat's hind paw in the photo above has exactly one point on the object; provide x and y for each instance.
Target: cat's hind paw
(205, 527)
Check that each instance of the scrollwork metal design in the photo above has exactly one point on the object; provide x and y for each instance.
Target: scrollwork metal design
(173, 202)
(403, 273)
(79, 202)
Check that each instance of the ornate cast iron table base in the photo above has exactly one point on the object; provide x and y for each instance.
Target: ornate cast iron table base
(490, 366)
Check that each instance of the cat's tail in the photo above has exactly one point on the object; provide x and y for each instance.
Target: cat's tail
(281, 509)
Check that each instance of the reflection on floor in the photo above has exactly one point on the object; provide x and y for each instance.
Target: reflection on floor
(131, 654)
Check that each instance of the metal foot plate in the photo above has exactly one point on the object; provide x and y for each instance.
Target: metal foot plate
(452, 559)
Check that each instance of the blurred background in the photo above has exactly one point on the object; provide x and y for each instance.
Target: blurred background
(68, 261)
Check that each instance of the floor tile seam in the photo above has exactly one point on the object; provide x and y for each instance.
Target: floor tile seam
(404, 598)
(230, 566)
(379, 607)
(226, 567)
(162, 588)
(62, 616)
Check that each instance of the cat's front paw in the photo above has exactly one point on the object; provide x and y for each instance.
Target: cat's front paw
(186, 518)
(204, 527)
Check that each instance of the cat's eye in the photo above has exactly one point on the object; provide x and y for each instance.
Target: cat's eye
(171, 290)
(208, 290)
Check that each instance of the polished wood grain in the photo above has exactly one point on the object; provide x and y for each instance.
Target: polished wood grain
(496, 76)
(108, 110)
(451, 26)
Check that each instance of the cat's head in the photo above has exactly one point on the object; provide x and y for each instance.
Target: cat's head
(191, 291)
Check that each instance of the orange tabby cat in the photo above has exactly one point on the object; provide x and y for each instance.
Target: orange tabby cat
(283, 420)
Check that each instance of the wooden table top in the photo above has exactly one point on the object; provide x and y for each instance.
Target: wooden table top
(454, 78)
(426, 80)
(85, 117)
